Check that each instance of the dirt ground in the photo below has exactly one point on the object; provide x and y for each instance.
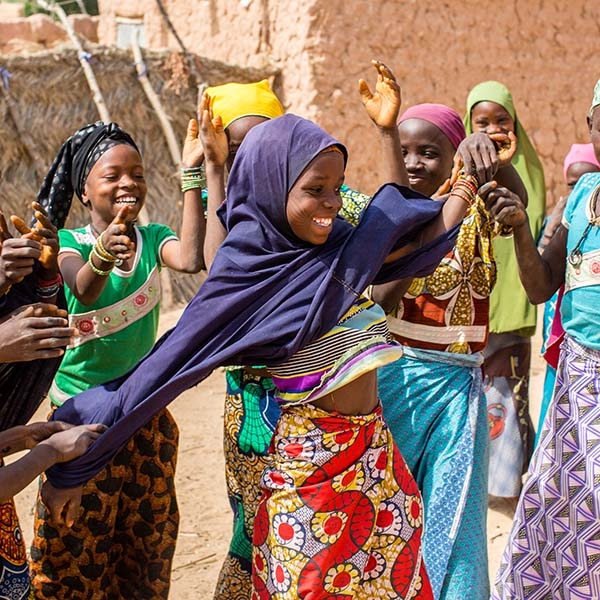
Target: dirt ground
(205, 514)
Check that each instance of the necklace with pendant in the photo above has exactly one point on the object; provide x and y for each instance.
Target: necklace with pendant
(575, 257)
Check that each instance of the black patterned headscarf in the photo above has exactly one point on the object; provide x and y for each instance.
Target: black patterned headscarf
(72, 165)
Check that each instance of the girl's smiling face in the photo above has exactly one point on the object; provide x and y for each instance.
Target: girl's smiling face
(428, 155)
(314, 200)
(116, 180)
(489, 117)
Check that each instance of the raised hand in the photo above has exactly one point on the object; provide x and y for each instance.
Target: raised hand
(193, 151)
(447, 185)
(383, 106)
(506, 146)
(212, 133)
(17, 255)
(33, 332)
(478, 156)
(43, 232)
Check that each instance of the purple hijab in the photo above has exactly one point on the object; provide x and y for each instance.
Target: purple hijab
(267, 294)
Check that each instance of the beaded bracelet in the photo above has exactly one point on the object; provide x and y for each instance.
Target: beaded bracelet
(48, 288)
(192, 178)
(48, 291)
(470, 180)
(464, 190)
(98, 254)
(102, 252)
(96, 269)
(56, 280)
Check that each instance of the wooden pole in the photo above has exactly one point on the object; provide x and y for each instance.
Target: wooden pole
(82, 55)
(154, 100)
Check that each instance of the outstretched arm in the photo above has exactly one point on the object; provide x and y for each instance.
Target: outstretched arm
(49, 443)
(541, 275)
(383, 108)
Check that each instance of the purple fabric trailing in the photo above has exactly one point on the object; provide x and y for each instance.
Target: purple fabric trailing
(267, 294)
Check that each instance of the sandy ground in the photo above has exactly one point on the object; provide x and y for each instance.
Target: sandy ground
(205, 514)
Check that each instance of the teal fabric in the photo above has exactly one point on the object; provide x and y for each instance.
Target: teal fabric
(437, 415)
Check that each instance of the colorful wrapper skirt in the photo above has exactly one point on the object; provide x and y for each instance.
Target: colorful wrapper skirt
(341, 515)
(553, 549)
(251, 411)
(14, 569)
(434, 405)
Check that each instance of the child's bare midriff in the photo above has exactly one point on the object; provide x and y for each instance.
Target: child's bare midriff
(359, 397)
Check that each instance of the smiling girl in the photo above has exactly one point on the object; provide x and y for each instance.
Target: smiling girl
(125, 520)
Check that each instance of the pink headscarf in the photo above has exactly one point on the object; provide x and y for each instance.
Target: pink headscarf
(580, 153)
(443, 117)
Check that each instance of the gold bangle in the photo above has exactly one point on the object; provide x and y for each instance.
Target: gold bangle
(96, 270)
(103, 250)
(96, 253)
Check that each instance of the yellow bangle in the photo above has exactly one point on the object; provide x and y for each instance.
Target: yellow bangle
(96, 269)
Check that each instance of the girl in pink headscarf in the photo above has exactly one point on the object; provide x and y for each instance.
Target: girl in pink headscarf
(433, 396)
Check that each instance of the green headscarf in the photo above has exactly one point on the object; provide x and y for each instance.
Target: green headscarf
(509, 308)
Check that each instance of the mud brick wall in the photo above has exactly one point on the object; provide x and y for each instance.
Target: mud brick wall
(543, 50)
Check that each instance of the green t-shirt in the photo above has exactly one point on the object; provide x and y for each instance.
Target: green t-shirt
(119, 328)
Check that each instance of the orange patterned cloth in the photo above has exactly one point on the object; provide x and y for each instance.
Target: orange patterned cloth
(449, 310)
(14, 570)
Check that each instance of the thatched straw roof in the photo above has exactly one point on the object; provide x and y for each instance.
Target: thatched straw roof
(50, 99)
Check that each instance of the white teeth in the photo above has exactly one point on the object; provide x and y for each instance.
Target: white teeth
(126, 200)
(323, 222)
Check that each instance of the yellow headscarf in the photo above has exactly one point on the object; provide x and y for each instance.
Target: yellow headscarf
(233, 101)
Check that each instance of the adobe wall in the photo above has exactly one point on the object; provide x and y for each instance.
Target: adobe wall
(438, 50)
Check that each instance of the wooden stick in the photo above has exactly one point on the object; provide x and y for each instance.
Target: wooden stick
(83, 57)
(152, 96)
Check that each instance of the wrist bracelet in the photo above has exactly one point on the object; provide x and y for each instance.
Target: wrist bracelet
(103, 254)
(48, 291)
(193, 178)
(97, 253)
(44, 283)
(96, 270)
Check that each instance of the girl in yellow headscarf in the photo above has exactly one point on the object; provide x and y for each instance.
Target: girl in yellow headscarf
(490, 109)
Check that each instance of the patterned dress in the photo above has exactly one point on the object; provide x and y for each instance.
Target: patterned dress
(341, 515)
(14, 569)
(434, 405)
(251, 412)
(553, 547)
(123, 542)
